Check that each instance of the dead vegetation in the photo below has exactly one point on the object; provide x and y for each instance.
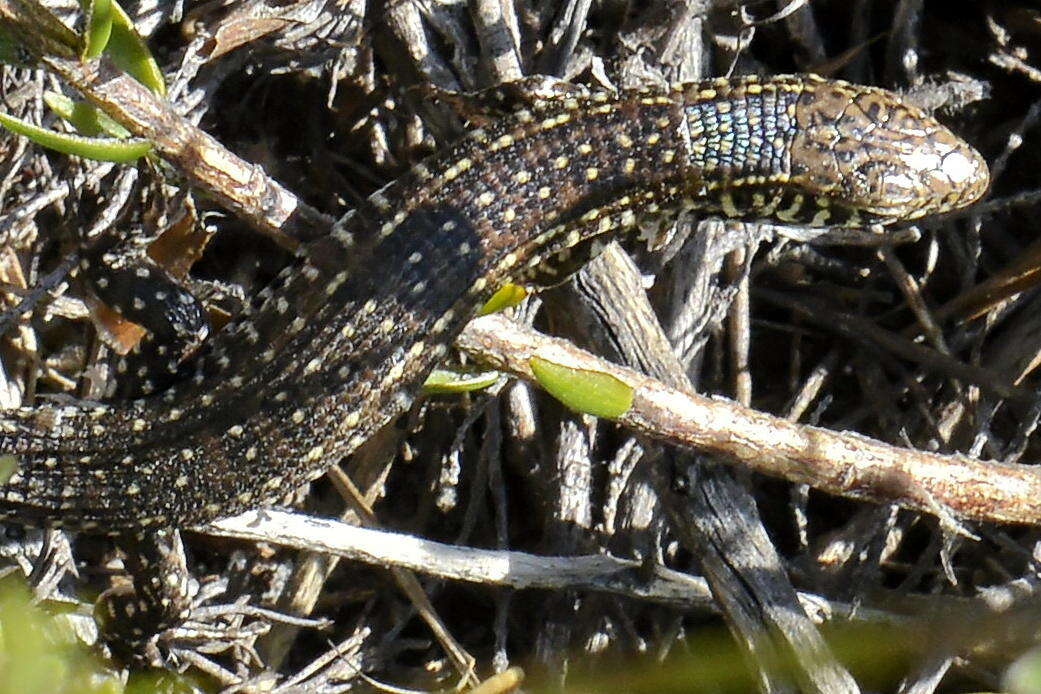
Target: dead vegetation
(497, 528)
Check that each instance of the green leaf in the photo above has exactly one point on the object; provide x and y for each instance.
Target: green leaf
(128, 50)
(446, 381)
(8, 466)
(84, 117)
(102, 149)
(592, 392)
(99, 27)
(40, 651)
(508, 295)
(1024, 675)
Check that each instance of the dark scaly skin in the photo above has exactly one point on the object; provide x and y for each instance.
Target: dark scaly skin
(339, 345)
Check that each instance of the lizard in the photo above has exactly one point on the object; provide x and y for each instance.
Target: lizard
(338, 345)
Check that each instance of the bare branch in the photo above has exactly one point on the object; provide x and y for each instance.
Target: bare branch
(841, 463)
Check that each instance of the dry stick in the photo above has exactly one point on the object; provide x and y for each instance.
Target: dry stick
(972, 621)
(912, 292)
(497, 30)
(525, 571)
(1012, 63)
(27, 210)
(503, 568)
(715, 516)
(408, 583)
(841, 463)
(862, 330)
(242, 188)
(1022, 273)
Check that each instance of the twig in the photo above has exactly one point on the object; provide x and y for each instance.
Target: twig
(518, 570)
(842, 463)
(241, 187)
(864, 330)
(506, 568)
